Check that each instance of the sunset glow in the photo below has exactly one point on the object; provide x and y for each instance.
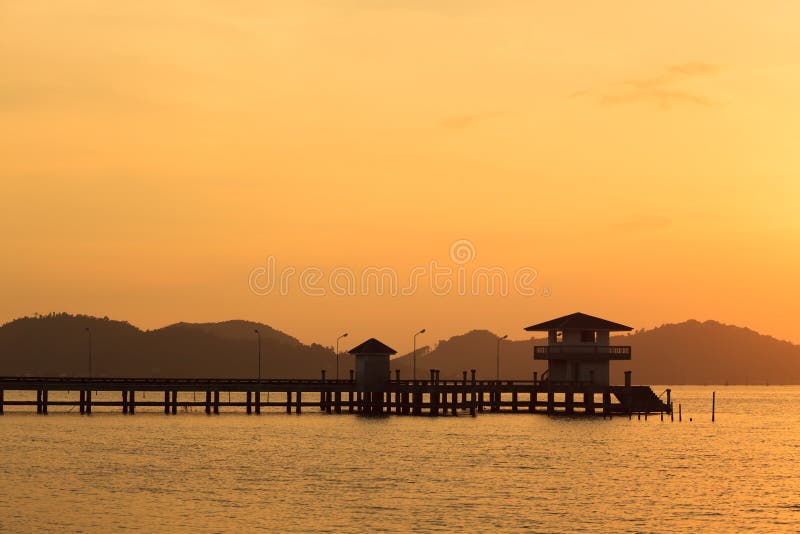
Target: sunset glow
(641, 158)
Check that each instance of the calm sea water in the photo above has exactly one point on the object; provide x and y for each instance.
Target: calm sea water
(318, 473)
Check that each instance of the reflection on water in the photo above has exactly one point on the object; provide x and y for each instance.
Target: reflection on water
(315, 472)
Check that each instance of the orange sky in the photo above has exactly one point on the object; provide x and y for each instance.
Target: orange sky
(642, 158)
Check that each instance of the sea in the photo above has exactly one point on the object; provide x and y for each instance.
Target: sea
(345, 473)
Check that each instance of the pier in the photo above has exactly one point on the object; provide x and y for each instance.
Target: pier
(430, 397)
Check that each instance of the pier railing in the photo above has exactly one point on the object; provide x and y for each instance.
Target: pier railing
(606, 352)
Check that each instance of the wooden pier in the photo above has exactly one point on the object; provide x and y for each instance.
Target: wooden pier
(430, 397)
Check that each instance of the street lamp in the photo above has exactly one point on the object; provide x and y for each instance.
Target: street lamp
(499, 339)
(415, 352)
(259, 353)
(337, 354)
(88, 331)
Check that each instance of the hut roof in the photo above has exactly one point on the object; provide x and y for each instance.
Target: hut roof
(578, 321)
(372, 346)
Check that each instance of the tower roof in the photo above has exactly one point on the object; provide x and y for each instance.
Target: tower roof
(578, 321)
(372, 346)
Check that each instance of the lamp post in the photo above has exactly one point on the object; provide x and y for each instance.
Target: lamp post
(415, 353)
(499, 339)
(337, 354)
(88, 331)
(259, 353)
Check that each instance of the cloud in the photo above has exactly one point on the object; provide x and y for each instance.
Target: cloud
(664, 89)
(643, 222)
(460, 122)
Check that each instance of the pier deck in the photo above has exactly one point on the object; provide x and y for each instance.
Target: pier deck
(400, 397)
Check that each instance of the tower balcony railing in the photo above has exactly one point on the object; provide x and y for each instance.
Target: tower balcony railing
(600, 352)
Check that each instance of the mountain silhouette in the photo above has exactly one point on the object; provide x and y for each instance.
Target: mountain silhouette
(691, 352)
(58, 344)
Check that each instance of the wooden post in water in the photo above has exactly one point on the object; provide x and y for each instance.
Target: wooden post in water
(38, 400)
(174, 401)
(337, 401)
(569, 401)
(257, 397)
(533, 394)
(216, 402)
(322, 396)
(713, 405)
(473, 393)
(588, 400)
(131, 401)
(288, 401)
(44, 401)
(514, 407)
(299, 402)
(124, 400)
(88, 402)
(208, 402)
(166, 402)
(464, 391)
(551, 399)
(81, 405)
(248, 403)
(2, 401)
(680, 416)
(607, 403)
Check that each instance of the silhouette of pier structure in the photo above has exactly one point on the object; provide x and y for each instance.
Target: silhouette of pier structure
(432, 396)
(576, 382)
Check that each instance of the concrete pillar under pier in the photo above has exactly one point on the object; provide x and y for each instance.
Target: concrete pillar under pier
(588, 400)
(607, 403)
